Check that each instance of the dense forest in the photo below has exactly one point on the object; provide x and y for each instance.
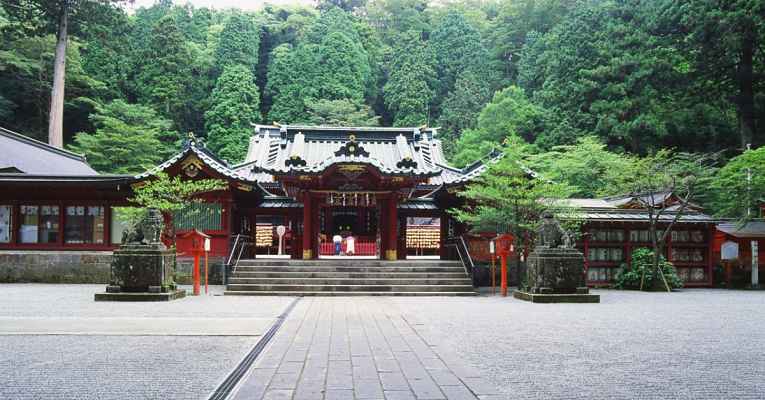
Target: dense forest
(621, 76)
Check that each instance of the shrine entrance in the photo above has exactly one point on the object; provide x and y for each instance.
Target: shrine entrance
(357, 228)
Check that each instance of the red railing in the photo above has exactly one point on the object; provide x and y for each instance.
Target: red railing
(363, 248)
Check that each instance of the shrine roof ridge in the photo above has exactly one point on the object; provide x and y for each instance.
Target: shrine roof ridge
(27, 155)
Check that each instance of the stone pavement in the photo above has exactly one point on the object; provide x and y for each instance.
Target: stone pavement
(361, 348)
(57, 343)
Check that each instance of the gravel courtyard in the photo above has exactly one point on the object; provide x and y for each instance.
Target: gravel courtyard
(693, 344)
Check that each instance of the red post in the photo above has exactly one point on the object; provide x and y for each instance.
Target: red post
(206, 274)
(503, 256)
(503, 249)
(390, 254)
(307, 227)
(198, 240)
(196, 273)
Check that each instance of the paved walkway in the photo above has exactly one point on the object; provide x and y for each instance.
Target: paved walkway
(338, 349)
(57, 343)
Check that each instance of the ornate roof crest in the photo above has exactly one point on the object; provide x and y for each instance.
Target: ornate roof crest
(351, 148)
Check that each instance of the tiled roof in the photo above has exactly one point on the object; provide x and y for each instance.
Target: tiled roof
(22, 154)
(614, 209)
(288, 149)
(752, 229)
(192, 146)
(279, 202)
(418, 204)
(632, 215)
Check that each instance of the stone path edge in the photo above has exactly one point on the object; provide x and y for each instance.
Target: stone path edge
(225, 388)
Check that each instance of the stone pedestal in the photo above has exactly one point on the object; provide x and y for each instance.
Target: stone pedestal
(555, 275)
(141, 272)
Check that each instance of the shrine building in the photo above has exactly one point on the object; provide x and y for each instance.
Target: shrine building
(389, 188)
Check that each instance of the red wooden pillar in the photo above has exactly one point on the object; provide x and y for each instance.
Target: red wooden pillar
(710, 248)
(391, 253)
(444, 228)
(586, 243)
(307, 227)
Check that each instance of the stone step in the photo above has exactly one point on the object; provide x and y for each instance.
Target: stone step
(321, 293)
(349, 262)
(344, 268)
(348, 281)
(347, 288)
(352, 275)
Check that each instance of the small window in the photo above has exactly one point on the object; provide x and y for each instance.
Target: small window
(6, 215)
(202, 216)
(84, 225)
(39, 224)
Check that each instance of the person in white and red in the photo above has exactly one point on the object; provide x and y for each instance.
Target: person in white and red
(350, 245)
(338, 240)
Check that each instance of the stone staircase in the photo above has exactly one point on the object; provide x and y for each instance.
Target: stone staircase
(352, 277)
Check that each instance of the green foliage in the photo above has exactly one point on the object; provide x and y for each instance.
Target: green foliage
(340, 113)
(331, 64)
(129, 138)
(587, 167)
(234, 108)
(165, 71)
(508, 113)
(515, 21)
(283, 87)
(457, 47)
(408, 91)
(739, 186)
(641, 268)
(459, 109)
(26, 75)
(603, 71)
(239, 42)
(508, 198)
(640, 75)
(723, 48)
(686, 175)
(172, 194)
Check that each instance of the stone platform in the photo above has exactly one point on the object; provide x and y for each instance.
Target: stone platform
(557, 297)
(140, 296)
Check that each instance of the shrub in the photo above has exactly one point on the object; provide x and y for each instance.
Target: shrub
(642, 260)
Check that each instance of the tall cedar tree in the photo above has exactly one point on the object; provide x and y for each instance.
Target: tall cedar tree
(409, 89)
(165, 69)
(330, 64)
(462, 105)
(239, 43)
(456, 46)
(59, 17)
(235, 102)
(725, 46)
